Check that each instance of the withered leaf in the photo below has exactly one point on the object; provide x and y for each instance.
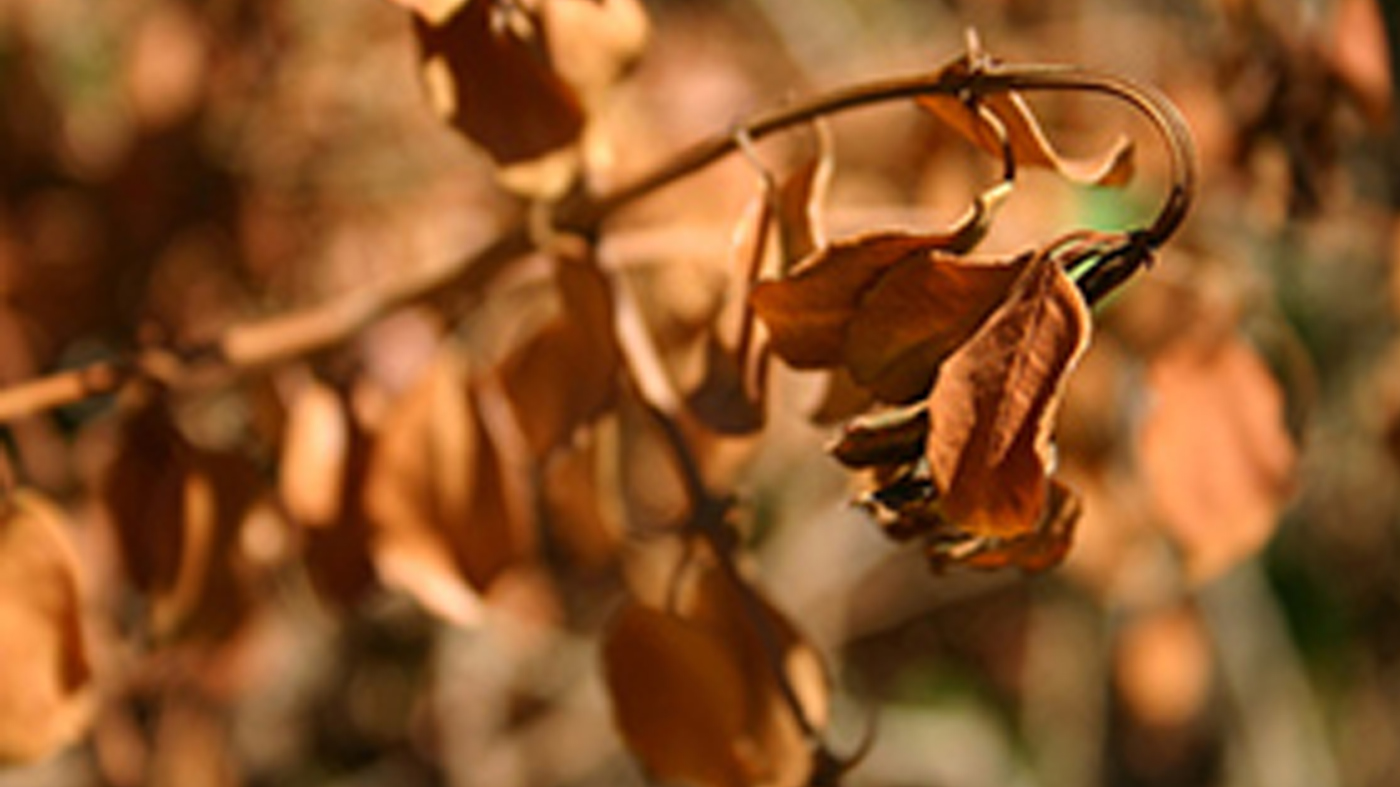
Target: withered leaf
(178, 512)
(678, 698)
(418, 490)
(920, 311)
(444, 494)
(592, 43)
(488, 74)
(518, 78)
(337, 554)
(46, 695)
(695, 698)
(1038, 550)
(579, 491)
(809, 314)
(315, 453)
(1215, 451)
(142, 490)
(883, 439)
(1014, 125)
(566, 375)
(210, 594)
(993, 407)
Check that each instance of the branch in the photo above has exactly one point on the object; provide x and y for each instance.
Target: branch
(255, 345)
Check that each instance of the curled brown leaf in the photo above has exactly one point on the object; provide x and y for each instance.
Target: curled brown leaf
(993, 408)
(999, 123)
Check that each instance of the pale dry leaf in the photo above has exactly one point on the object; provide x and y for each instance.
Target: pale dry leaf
(315, 456)
(419, 487)
(993, 407)
(46, 691)
(1215, 452)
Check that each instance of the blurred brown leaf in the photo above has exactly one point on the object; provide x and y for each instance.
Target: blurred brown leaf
(732, 394)
(178, 511)
(566, 375)
(315, 453)
(46, 681)
(419, 486)
(1215, 451)
(142, 490)
(518, 78)
(579, 489)
(693, 694)
(445, 493)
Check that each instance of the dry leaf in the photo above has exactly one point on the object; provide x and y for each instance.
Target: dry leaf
(518, 78)
(809, 312)
(566, 375)
(1037, 550)
(337, 555)
(315, 453)
(143, 494)
(693, 694)
(210, 594)
(419, 487)
(1013, 125)
(488, 75)
(592, 43)
(445, 494)
(178, 512)
(994, 404)
(578, 489)
(921, 310)
(46, 681)
(820, 317)
(1215, 452)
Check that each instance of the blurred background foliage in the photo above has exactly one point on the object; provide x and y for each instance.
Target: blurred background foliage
(170, 167)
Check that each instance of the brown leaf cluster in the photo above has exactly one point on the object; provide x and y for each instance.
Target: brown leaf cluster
(977, 349)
